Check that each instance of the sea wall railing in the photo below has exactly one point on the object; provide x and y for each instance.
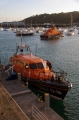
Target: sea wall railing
(36, 114)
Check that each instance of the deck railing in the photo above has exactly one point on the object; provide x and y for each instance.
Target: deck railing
(8, 70)
(36, 114)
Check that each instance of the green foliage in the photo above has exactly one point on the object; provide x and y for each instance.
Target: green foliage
(60, 18)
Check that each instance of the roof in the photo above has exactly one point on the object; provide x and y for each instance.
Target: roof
(30, 58)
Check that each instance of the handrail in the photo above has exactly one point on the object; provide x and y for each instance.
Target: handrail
(37, 114)
(7, 71)
(9, 68)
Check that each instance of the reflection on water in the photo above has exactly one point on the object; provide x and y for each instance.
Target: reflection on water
(61, 107)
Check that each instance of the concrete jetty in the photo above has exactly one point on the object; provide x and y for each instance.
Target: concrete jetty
(17, 101)
(9, 109)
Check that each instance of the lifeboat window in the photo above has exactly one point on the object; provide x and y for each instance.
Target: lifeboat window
(26, 66)
(40, 65)
(33, 66)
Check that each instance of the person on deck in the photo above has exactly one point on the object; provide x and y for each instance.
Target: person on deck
(49, 64)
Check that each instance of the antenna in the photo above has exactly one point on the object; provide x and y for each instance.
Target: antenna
(21, 38)
(16, 48)
(21, 46)
(36, 50)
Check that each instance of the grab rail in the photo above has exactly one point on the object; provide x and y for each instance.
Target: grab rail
(7, 71)
(37, 114)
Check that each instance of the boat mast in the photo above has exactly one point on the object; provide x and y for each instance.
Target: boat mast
(36, 50)
(31, 23)
(71, 20)
(22, 46)
(21, 38)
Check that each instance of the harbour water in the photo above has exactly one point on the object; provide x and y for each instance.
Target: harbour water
(63, 54)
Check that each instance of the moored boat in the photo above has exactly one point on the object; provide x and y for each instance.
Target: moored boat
(70, 32)
(38, 73)
(51, 33)
(24, 32)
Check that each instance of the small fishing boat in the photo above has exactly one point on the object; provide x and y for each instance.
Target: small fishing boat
(51, 33)
(38, 73)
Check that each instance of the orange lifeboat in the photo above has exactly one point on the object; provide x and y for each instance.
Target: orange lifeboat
(31, 66)
(51, 33)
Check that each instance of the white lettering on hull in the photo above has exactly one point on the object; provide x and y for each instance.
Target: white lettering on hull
(51, 90)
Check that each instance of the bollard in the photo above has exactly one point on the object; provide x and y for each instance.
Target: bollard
(39, 98)
(19, 76)
(47, 101)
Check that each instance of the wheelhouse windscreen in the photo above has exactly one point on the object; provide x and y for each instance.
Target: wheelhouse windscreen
(40, 65)
(33, 66)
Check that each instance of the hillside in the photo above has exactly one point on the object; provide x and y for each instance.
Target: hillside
(56, 18)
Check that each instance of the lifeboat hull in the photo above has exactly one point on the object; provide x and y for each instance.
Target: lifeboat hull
(43, 37)
(55, 89)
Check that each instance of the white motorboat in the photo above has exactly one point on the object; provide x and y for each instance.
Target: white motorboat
(1, 28)
(6, 29)
(24, 32)
(70, 32)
